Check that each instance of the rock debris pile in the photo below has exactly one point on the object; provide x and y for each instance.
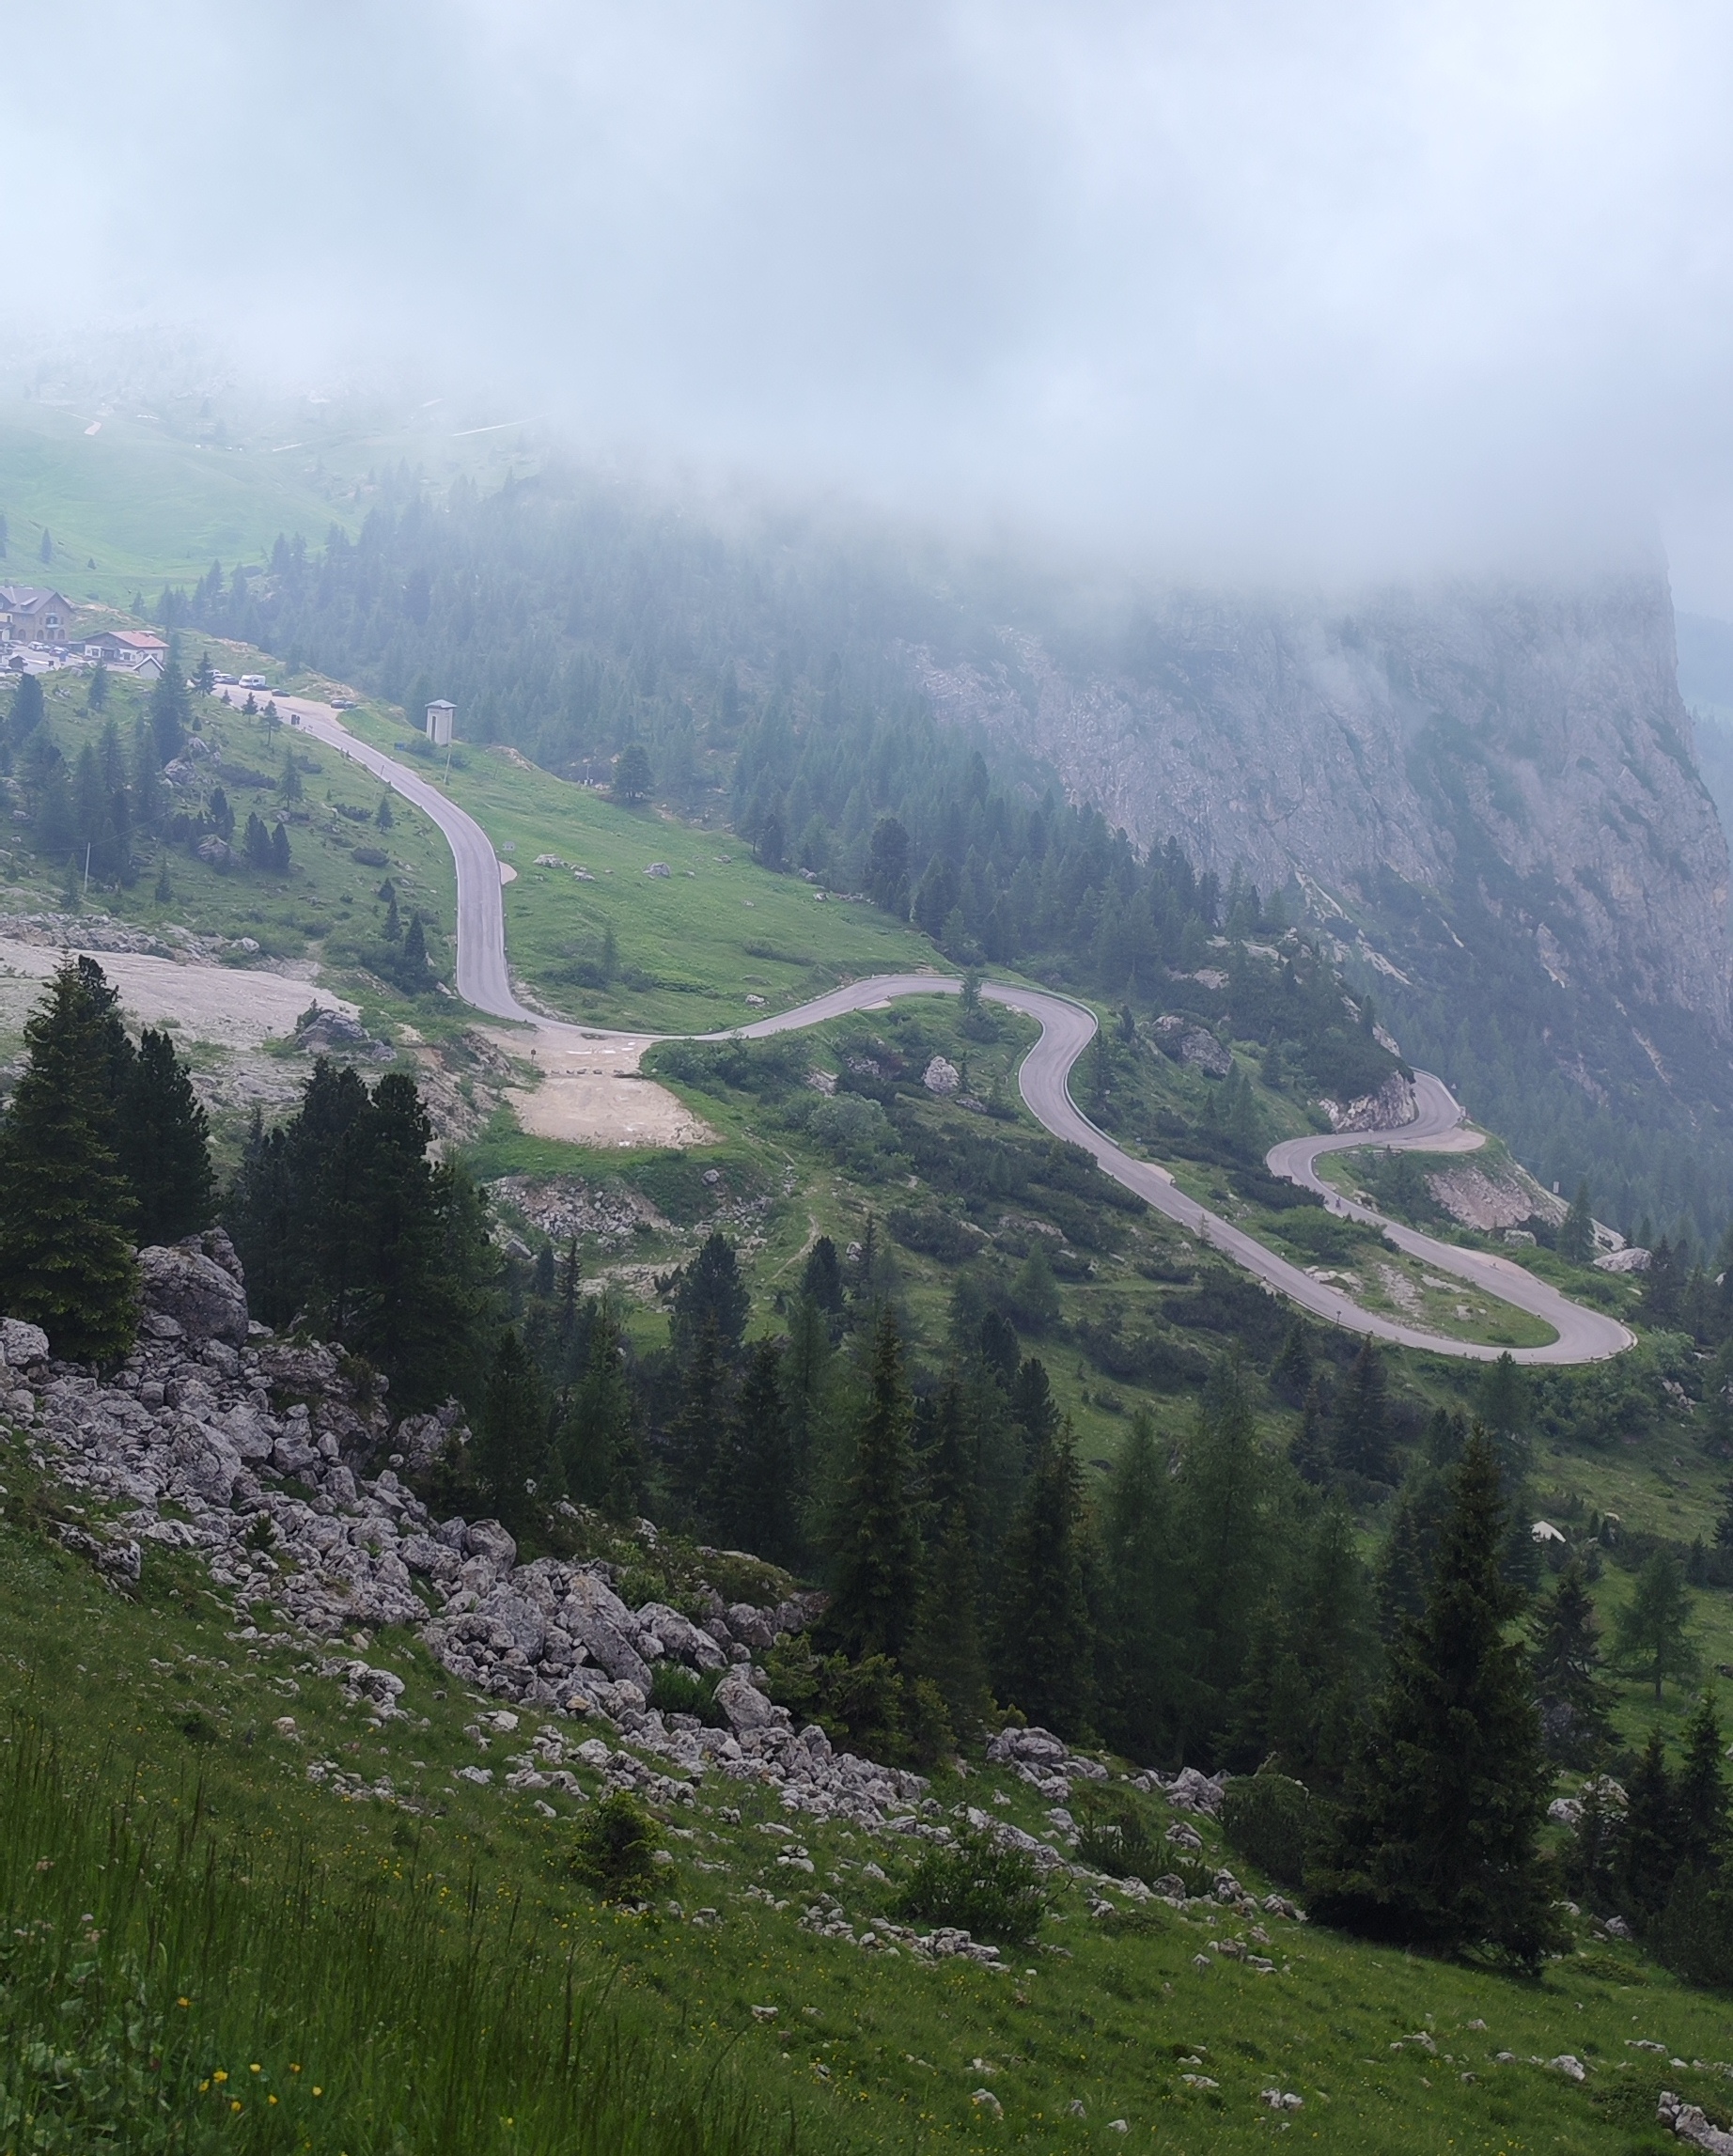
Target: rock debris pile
(252, 1452)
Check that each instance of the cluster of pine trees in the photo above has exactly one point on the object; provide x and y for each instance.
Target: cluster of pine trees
(102, 814)
(103, 1149)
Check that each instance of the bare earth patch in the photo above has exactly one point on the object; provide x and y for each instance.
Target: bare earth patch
(591, 1094)
(221, 1017)
(228, 1007)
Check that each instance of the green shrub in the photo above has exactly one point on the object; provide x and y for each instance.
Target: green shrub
(677, 1690)
(869, 1705)
(1268, 1818)
(1115, 1838)
(973, 1884)
(612, 1848)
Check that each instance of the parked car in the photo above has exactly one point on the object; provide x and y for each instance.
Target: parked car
(252, 682)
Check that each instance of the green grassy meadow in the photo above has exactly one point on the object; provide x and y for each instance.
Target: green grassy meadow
(692, 945)
(215, 1926)
(158, 492)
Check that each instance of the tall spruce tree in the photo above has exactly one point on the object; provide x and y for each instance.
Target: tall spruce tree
(66, 1208)
(696, 1457)
(1146, 1637)
(710, 1290)
(1043, 1644)
(1363, 1419)
(511, 1446)
(1649, 1841)
(1227, 1540)
(760, 1501)
(1436, 1840)
(1569, 1676)
(947, 1649)
(1313, 1653)
(170, 710)
(1652, 1631)
(600, 1441)
(878, 1562)
(1700, 1792)
(1311, 1450)
(1576, 1236)
(164, 1144)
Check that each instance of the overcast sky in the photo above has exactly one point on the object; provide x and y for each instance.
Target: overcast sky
(1217, 286)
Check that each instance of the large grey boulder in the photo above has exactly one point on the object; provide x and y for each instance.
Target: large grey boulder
(596, 1618)
(21, 1344)
(744, 1705)
(203, 1297)
(488, 1538)
(680, 1638)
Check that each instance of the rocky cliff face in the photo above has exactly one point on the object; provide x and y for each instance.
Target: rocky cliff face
(1517, 754)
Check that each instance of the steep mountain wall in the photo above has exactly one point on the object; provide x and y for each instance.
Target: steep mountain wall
(1517, 751)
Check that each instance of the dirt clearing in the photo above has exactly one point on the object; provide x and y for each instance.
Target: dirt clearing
(591, 1094)
(228, 1007)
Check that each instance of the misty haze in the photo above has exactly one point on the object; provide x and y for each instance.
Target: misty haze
(866, 1079)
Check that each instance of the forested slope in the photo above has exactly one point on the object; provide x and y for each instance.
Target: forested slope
(1440, 779)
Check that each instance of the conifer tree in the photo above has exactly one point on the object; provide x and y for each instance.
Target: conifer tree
(382, 814)
(1290, 1374)
(1146, 1631)
(821, 1278)
(1648, 1844)
(1576, 1234)
(599, 1440)
(1224, 1535)
(947, 1649)
(1035, 1293)
(877, 1568)
(1568, 1671)
(806, 1372)
(1700, 1792)
(1032, 1405)
(694, 1437)
(1363, 1419)
(29, 706)
(169, 708)
(760, 1501)
(1311, 1449)
(710, 1289)
(1042, 1659)
(511, 1446)
(1312, 1653)
(414, 973)
(1436, 1839)
(66, 1209)
(1652, 1628)
(164, 1143)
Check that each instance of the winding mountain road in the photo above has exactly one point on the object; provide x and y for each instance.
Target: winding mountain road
(484, 980)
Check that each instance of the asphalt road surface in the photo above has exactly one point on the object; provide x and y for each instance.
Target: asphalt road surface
(484, 980)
